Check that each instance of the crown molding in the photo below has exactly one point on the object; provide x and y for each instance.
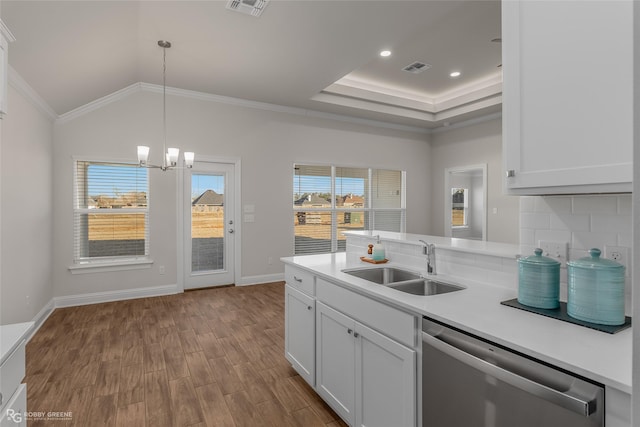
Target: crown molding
(278, 108)
(98, 103)
(469, 122)
(477, 97)
(201, 96)
(30, 94)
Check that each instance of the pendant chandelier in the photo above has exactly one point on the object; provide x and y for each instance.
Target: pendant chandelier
(170, 158)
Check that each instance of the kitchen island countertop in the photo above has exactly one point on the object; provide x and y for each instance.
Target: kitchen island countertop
(599, 356)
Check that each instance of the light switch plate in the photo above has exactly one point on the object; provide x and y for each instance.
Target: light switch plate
(556, 250)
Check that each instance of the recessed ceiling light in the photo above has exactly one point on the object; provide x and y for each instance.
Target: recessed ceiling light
(385, 53)
(455, 74)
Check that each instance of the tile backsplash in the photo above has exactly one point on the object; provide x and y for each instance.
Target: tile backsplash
(585, 221)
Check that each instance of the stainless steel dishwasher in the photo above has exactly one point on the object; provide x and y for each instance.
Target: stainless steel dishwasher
(469, 382)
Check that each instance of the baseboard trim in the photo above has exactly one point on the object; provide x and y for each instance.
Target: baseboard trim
(41, 317)
(258, 280)
(109, 296)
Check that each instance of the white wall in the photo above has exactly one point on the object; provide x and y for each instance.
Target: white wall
(470, 145)
(27, 215)
(268, 143)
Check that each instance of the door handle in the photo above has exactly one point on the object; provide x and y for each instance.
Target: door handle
(574, 403)
(231, 230)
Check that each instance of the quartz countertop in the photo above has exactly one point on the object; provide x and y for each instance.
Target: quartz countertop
(10, 336)
(602, 357)
(505, 250)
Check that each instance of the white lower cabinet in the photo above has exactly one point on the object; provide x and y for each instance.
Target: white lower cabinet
(299, 338)
(368, 378)
(336, 360)
(14, 413)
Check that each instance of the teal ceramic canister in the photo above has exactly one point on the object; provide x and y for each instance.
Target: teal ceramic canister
(596, 289)
(539, 281)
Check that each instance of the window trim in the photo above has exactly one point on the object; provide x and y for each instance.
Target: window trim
(106, 264)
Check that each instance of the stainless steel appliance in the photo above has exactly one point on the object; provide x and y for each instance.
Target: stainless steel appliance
(470, 382)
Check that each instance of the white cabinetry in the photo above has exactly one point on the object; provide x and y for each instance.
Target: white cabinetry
(336, 361)
(13, 394)
(567, 96)
(299, 335)
(365, 376)
(13, 414)
(300, 321)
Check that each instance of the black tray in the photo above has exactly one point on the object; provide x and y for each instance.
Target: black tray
(561, 314)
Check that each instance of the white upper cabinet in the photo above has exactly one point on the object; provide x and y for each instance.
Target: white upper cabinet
(567, 96)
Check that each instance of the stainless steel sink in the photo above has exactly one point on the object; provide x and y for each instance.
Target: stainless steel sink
(383, 275)
(425, 287)
(403, 280)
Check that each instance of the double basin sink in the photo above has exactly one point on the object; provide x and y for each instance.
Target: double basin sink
(403, 280)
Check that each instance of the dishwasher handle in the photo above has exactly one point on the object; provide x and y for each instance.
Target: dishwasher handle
(580, 406)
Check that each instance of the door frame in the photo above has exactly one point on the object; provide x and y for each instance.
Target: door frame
(447, 196)
(237, 249)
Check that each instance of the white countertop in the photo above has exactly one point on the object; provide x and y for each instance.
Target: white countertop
(602, 357)
(505, 250)
(11, 336)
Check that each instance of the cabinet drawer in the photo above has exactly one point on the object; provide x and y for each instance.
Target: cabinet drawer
(392, 322)
(11, 373)
(299, 279)
(13, 415)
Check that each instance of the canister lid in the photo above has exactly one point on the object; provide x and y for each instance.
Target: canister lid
(538, 259)
(594, 261)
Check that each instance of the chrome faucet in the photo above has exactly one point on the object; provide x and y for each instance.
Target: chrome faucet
(429, 250)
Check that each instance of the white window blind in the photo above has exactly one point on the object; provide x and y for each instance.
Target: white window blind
(111, 216)
(329, 200)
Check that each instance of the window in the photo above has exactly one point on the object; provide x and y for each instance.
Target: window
(111, 215)
(329, 200)
(459, 207)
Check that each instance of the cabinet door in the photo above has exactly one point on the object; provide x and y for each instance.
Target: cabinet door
(385, 381)
(335, 359)
(567, 96)
(299, 338)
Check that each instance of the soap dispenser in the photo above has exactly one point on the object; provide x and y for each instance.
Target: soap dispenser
(378, 251)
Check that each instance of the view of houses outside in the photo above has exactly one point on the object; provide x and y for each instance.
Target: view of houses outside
(111, 214)
(313, 228)
(207, 228)
(320, 221)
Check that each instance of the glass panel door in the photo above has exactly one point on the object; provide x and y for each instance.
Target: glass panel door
(210, 225)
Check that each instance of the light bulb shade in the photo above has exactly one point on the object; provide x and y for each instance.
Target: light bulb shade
(143, 154)
(189, 156)
(172, 156)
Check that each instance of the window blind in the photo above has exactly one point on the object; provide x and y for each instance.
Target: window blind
(329, 200)
(111, 217)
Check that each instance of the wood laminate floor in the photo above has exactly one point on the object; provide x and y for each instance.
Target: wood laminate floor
(212, 357)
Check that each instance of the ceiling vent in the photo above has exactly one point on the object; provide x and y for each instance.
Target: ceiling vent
(248, 7)
(416, 67)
